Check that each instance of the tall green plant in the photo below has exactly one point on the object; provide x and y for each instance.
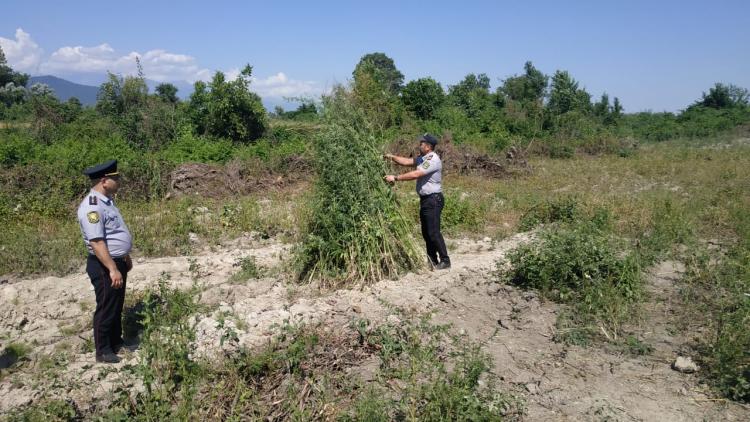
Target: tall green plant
(356, 231)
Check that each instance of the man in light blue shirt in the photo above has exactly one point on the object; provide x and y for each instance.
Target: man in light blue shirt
(429, 177)
(109, 242)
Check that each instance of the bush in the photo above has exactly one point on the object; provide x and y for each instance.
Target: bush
(582, 266)
(462, 213)
(17, 148)
(192, 148)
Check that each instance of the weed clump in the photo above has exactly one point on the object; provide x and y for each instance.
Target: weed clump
(584, 266)
(356, 231)
(249, 269)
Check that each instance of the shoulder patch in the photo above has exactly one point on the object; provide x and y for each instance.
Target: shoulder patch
(92, 200)
(93, 217)
(426, 165)
(428, 157)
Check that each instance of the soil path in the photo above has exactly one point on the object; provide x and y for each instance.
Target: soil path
(516, 328)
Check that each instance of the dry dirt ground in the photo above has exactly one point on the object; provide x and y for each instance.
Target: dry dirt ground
(516, 328)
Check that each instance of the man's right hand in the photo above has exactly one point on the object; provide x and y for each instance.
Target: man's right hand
(116, 278)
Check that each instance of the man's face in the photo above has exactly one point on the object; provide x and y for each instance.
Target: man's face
(424, 148)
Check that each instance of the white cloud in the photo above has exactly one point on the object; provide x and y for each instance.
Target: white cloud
(159, 65)
(279, 85)
(23, 54)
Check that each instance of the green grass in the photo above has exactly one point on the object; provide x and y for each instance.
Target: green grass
(249, 269)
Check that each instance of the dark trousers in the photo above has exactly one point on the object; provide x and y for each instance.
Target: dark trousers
(430, 208)
(109, 302)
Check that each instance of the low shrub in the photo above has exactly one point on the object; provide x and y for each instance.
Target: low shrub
(583, 266)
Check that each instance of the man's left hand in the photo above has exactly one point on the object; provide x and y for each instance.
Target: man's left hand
(390, 178)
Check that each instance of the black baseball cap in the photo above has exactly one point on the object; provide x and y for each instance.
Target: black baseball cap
(429, 139)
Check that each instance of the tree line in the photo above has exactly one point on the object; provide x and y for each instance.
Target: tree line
(531, 105)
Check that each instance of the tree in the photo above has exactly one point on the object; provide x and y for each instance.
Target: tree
(167, 92)
(145, 122)
(109, 98)
(227, 109)
(724, 96)
(602, 108)
(565, 95)
(527, 88)
(46, 110)
(197, 108)
(12, 83)
(376, 85)
(472, 94)
(423, 97)
(617, 108)
(382, 70)
(11, 94)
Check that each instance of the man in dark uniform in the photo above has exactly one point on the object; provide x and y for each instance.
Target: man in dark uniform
(429, 176)
(109, 242)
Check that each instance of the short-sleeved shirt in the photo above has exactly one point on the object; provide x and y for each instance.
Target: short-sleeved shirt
(99, 218)
(432, 180)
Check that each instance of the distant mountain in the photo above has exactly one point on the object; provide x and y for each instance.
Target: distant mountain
(66, 89)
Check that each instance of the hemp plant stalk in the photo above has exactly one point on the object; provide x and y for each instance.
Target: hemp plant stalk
(356, 231)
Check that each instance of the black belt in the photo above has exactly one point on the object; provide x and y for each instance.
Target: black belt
(118, 259)
(430, 194)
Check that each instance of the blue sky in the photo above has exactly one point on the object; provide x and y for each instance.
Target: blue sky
(657, 55)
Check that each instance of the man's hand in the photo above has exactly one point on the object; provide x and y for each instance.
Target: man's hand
(116, 278)
(390, 178)
(388, 156)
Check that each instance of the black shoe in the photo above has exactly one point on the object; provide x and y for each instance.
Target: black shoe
(107, 358)
(127, 345)
(443, 266)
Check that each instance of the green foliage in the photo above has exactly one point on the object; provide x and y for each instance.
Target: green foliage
(166, 365)
(228, 109)
(249, 269)
(527, 88)
(356, 231)
(167, 92)
(413, 352)
(565, 209)
(472, 94)
(724, 96)
(307, 111)
(12, 83)
(565, 95)
(722, 290)
(48, 410)
(462, 213)
(381, 69)
(188, 147)
(17, 148)
(423, 97)
(584, 266)
(145, 122)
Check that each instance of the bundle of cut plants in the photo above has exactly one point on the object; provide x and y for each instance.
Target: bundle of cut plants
(355, 230)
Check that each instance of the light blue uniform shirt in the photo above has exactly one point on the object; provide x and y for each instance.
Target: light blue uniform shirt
(101, 219)
(432, 180)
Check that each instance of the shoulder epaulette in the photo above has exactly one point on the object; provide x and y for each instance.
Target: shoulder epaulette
(92, 200)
